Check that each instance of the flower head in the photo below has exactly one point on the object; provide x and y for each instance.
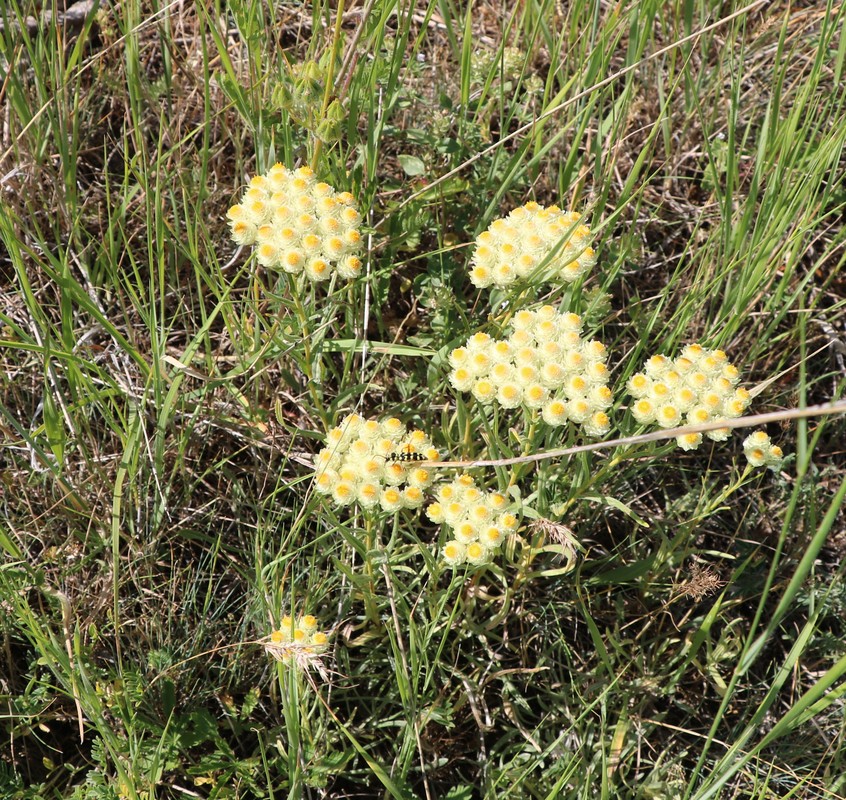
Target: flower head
(698, 387)
(374, 463)
(478, 520)
(298, 641)
(761, 452)
(298, 224)
(544, 364)
(532, 243)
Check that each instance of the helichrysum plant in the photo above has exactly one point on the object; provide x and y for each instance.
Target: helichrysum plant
(532, 243)
(698, 387)
(300, 93)
(506, 65)
(374, 463)
(761, 452)
(544, 364)
(298, 641)
(479, 521)
(299, 224)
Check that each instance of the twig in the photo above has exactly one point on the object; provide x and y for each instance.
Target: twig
(823, 409)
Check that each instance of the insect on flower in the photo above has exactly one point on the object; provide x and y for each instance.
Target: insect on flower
(408, 453)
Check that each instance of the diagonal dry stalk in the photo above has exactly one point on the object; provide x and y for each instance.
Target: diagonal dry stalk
(824, 409)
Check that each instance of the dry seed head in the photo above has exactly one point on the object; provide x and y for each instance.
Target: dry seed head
(298, 643)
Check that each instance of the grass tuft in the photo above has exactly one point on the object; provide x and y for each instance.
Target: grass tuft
(656, 622)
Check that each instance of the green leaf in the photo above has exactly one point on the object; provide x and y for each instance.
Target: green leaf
(54, 427)
(613, 502)
(250, 702)
(459, 793)
(387, 348)
(411, 165)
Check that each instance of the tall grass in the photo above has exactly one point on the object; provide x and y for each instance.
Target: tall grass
(664, 624)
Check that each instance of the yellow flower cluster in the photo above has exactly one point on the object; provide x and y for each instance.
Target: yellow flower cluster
(698, 387)
(761, 452)
(544, 364)
(366, 461)
(479, 520)
(514, 247)
(297, 640)
(299, 224)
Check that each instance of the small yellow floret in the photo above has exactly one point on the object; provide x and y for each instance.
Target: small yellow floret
(391, 499)
(412, 496)
(689, 441)
(267, 255)
(509, 522)
(454, 553)
(638, 385)
(643, 411)
(667, 416)
(555, 412)
(491, 536)
(477, 553)
(497, 501)
(350, 266)
(598, 425)
(466, 532)
(293, 261)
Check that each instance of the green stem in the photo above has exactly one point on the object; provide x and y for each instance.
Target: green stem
(527, 448)
(308, 353)
(330, 78)
(600, 474)
(289, 683)
(370, 543)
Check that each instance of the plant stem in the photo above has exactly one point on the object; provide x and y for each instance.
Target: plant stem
(370, 607)
(307, 364)
(330, 78)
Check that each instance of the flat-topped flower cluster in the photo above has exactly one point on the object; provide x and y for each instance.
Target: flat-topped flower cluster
(297, 640)
(480, 521)
(544, 364)
(372, 462)
(299, 224)
(761, 452)
(532, 242)
(698, 387)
